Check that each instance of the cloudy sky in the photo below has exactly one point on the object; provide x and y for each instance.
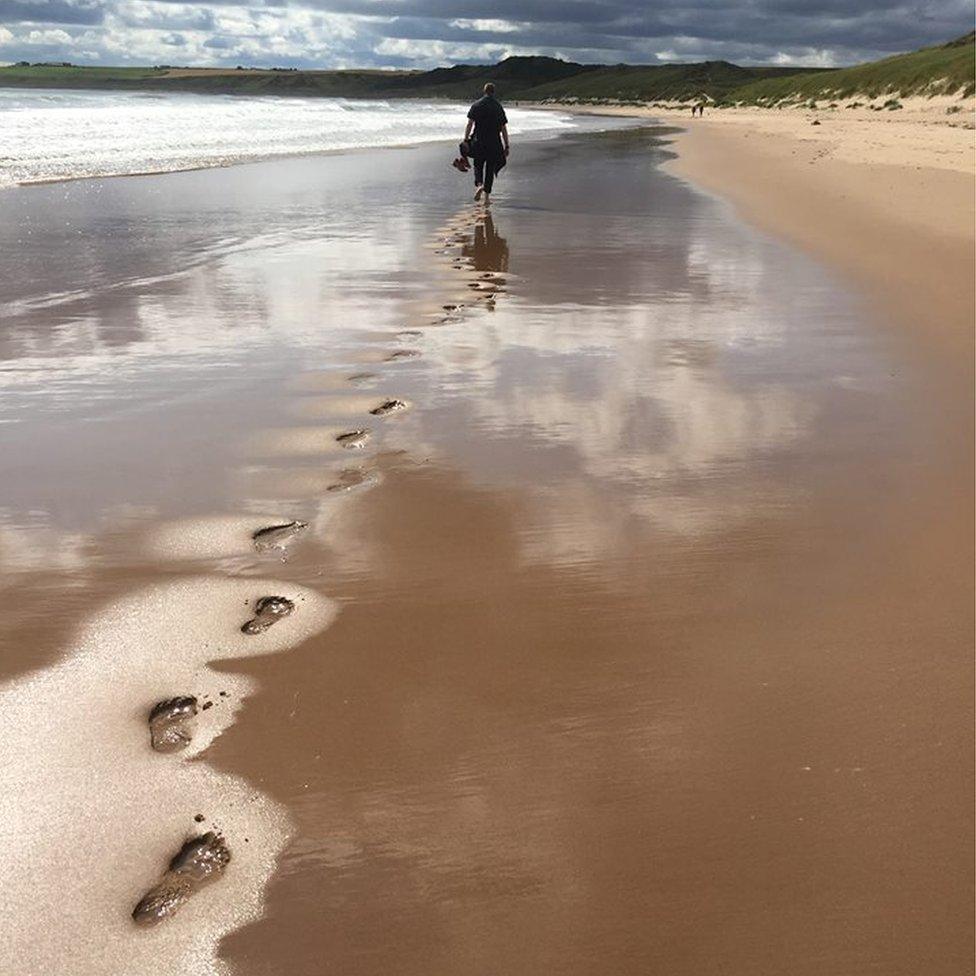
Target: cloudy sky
(426, 33)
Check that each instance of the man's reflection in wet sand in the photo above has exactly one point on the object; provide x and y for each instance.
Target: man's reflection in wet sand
(489, 251)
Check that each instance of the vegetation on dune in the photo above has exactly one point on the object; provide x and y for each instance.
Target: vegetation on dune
(944, 70)
(948, 68)
(666, 82)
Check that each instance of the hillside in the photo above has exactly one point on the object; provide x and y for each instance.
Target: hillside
(943, 70)
(948, 68)
(518, 78)
(664, 82)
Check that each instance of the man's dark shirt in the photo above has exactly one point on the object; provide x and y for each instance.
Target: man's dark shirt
(488, 117)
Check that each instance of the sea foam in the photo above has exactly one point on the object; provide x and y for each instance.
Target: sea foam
(58, 135)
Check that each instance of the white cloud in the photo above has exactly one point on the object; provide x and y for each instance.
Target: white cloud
(808, 59)
(446, 52)
(495, 26)
(56, 36)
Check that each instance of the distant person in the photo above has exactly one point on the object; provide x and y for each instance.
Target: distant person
(488, 142)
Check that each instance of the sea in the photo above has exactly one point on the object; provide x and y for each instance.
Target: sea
(58, 134)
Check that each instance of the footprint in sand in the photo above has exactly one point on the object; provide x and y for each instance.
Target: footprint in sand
(168, 731)
(278, 536)
(361, 377)
(267, 611)
(200, 861)
(352, 478)
(399, 354)
(354, 440)
(387, 407)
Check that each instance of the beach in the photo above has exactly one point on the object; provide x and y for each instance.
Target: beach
(886, 197)
(632, 621)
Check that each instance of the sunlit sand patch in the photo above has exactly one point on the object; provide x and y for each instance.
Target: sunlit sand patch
(90, 815)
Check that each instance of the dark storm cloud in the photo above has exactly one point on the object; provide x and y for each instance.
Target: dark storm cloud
(51, 12)
(747, 30)
(423, 33)
(850, 24)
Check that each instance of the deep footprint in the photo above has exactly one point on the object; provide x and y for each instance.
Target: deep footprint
(354, 440)
(277, 536)
(388, 407)
(200, 861)
(267, 611)
(401, 354)
(168, 720)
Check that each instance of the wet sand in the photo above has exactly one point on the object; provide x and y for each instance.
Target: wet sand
(652, 651)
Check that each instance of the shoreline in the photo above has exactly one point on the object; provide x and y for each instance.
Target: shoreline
(900, 223)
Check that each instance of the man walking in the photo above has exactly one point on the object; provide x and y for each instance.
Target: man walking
(489, 143)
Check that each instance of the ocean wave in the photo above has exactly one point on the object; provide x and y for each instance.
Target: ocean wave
(64, 135)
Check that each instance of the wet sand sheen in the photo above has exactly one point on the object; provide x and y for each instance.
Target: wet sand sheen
(650, 657)
(659, 763)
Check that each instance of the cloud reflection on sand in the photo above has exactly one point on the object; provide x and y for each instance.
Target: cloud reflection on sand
(655, 415)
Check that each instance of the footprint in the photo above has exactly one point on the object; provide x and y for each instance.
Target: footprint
(401, 354)
(200, 860)
(351, 478)
(267, 611)
(277, 536)
(361, 377)
(388, 407)
(354, 440)
(167, 723)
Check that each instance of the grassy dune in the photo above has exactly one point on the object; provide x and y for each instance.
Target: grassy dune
(667, 82)
(942, 70)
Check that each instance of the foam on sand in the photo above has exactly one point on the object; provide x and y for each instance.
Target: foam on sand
(90, 816)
